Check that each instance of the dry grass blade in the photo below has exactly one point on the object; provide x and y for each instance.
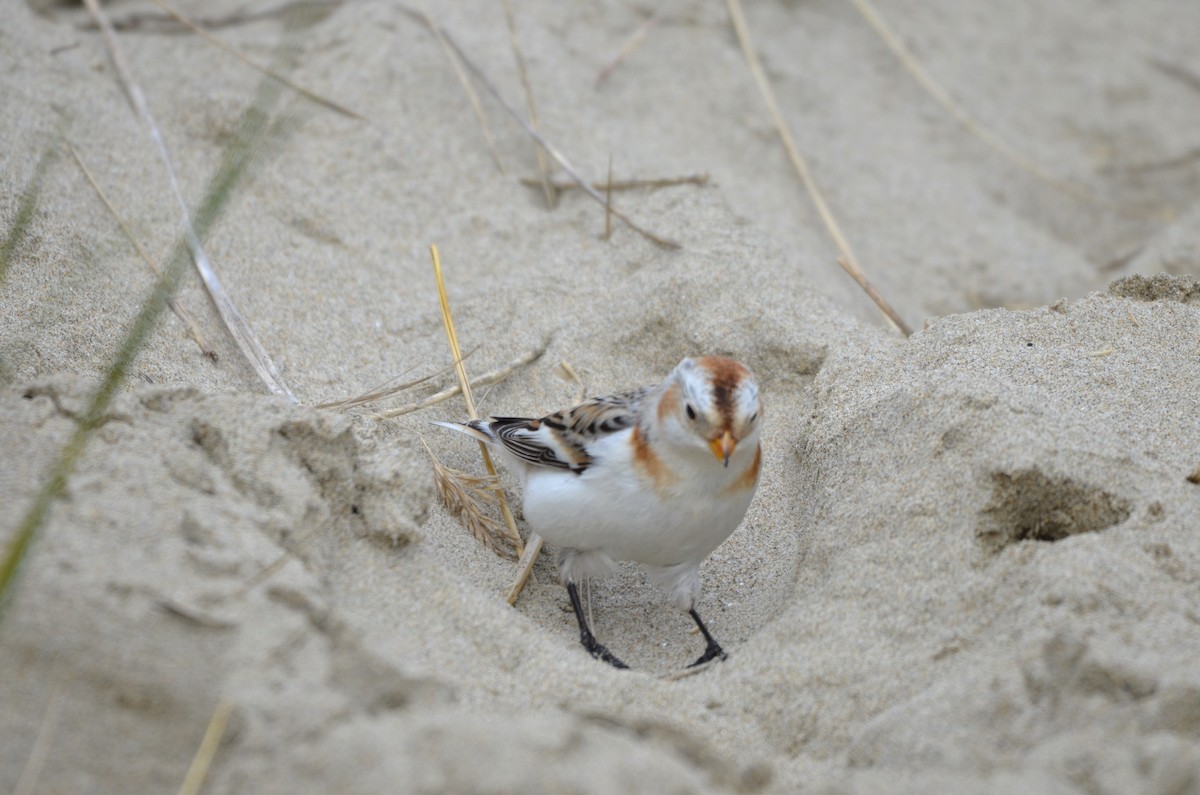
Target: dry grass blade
(519, 57)
(157, 23)
(574, 378)
(510, 525)
(533, 547)
(487, 379)
(881, 302)
(465, 497)
(550, 148)
(236, 53)
(961, 115)
(196, 774)
(245, 337)
(798, 161)
(634, 42)
(27, 783)
(387, 390)
(466, 84)
(176, 306)
(608, 202)
(626, 184)
(294, 550)
(236, 161)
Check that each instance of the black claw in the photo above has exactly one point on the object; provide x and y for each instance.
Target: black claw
(713, 650)
(601, 652)
(593, 646)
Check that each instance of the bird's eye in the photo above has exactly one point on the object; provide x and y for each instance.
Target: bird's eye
(691, 412)
(753, 417)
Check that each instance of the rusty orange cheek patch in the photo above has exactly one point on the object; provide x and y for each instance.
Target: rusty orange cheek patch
(649, 464)
(669, 402)
(749, 478)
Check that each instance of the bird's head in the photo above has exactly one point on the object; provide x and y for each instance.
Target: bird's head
(711, 403)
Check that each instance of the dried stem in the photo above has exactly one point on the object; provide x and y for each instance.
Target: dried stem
(238, 328)
(626, 184)
(176, 305)
(465, 385)
(196, 774)
(533, 546)
(236, 53)
(27, 783)
(450, 51)
(608, 202)
(798, 161)
(973, 125)
(873, 294)
(519, 57)
(387, 390)
(493, 377)
(634, 42)
(550, 148)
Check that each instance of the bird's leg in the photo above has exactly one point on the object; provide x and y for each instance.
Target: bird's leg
(593, 646)
(713, 649)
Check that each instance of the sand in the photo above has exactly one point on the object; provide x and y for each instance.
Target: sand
(973, 563)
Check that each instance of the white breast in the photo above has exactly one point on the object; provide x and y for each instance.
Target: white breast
(610, 509)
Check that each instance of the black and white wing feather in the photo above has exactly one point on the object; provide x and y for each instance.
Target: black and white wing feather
(561, 440)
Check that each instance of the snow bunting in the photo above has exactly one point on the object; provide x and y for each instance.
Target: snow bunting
(660, 475)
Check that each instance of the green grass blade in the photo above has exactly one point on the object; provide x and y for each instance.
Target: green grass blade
(25, 209)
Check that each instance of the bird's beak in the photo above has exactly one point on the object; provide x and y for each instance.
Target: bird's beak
(723, 448)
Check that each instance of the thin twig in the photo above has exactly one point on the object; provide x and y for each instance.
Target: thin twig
(268, 571)
(571, 375)
(239, 329)
(156, 23)
(196, 774)
(493, 377)
(387, 390)
(625, 184)
(465, 384)
(176, 305)
(873, 294)
(533, 546)
(27, 783)
(634, 42)
(266, 70)
(798, 161)
(550, 148)
(964, 117)
(519, 57)
(456, 64)
(608, 202)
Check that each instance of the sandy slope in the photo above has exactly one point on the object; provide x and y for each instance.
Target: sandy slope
(972, 566)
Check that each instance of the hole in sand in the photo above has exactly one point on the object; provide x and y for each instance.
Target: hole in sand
(1030, 505)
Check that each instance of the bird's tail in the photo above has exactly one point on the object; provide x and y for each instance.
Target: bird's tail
(477, 429)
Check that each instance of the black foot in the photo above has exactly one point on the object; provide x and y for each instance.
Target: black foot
(601, 652)
(713, 650)
(593, 646)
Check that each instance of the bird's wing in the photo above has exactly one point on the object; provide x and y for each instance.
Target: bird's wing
(562, 440)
